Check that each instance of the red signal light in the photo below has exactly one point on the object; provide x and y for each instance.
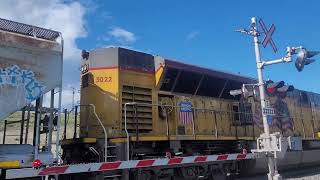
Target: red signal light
(271, 90)
(272, 87)
(277, 88)
(36, 163)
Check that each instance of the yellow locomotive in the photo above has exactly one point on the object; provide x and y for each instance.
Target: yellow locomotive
(159, 86)
(160, 105)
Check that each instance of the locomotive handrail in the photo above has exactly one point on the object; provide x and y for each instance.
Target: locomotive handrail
(125, 123)
(126, 129)
(211, 110)
(176, 106)
(104, 131)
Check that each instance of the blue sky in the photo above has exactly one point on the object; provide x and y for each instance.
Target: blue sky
(202, 33)
(195, 32)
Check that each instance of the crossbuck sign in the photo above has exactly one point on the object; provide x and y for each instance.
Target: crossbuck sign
(268, 38)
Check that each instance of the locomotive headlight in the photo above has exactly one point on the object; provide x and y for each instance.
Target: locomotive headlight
(85, 54)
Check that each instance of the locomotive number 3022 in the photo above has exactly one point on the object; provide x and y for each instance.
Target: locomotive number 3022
(104, 79)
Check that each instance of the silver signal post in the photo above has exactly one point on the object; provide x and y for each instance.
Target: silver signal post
(273, 172)
(272, 145)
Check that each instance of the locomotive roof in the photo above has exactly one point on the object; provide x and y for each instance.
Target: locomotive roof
(184, 78)
(209, 72)
(189, 79)
(138, 57)
(179, 77)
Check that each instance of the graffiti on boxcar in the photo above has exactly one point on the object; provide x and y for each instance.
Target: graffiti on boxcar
(257, 116)
(280, 120)
(15, 76)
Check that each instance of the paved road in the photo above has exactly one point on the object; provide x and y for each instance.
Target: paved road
(304, 174)
(312, 173)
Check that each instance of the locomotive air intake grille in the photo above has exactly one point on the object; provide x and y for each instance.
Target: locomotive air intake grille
(139, 117)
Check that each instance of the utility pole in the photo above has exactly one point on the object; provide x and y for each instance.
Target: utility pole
(73, 93)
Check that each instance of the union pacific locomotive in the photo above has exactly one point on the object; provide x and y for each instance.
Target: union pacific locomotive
(148, 106)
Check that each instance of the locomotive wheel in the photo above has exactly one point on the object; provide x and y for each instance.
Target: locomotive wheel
(143, 175)
(192, 173)
(221, 172)
(146, 175)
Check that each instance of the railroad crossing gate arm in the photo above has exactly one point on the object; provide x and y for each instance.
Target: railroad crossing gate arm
(119, 165)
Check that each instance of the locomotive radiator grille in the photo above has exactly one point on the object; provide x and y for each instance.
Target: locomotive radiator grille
(139, 118)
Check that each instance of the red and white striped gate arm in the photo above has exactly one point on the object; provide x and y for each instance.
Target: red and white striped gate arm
(118, 165)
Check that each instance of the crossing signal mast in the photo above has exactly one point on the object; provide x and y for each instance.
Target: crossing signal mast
(272, 145)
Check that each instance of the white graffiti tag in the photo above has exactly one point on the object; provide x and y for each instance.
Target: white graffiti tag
(15, 76)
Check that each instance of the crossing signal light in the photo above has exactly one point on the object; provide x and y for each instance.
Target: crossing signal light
(85, 54)
(278, 88)
(243, 91)
(247, 90)
(272, 87)
(236, 92)
(303, 58)
(285, 89)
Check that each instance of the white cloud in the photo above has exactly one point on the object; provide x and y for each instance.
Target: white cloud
(192, 35)
(122, 36)
(68, 18)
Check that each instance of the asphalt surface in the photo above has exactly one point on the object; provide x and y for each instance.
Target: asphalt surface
(311, 173)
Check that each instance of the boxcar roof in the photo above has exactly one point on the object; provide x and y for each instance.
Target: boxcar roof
(28, 30)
